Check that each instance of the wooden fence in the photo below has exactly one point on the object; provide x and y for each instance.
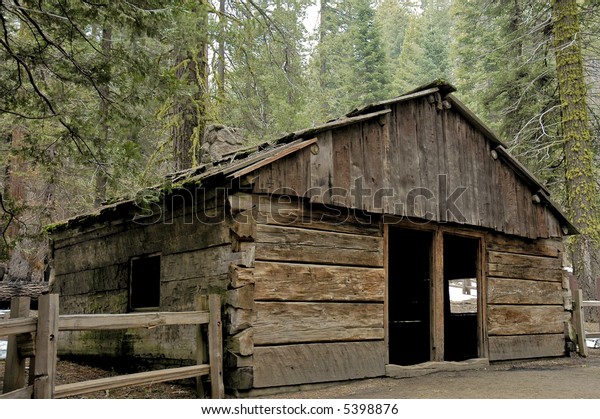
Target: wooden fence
(579, 319)
(42, 350)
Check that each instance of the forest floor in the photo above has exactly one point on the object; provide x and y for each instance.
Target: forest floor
(567, 378)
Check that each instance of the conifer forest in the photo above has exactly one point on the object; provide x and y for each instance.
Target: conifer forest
(102, 98)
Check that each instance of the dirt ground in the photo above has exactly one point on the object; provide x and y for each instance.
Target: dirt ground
(559, 378)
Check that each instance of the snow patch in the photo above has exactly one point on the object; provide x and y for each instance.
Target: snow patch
(3, 346)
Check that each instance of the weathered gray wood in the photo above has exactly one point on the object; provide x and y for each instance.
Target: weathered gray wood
(240, 379)
(540, 247)
(526, 346)
(238, 319)
(240, 276)
(524, 272)
(320, 362)
(46, 347)
(138, 379)
(516, 291)
(308, 282)
(305, 245)
(526, 261)
(130, 320)
(215, 347)
(241, 343)
(579, 321)
(17, 326)
(418, 370)
(242, 297)
(283, 322)
(14, 372)
(590, 303)
(321, 168)
(22, 393)
(193, 264)
(524, 320)
(201, 303)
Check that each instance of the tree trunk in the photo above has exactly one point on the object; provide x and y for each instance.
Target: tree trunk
(582, 191)
(101, 178)
(190, 111)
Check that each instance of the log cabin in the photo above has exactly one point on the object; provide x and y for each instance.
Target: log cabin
(400, 235)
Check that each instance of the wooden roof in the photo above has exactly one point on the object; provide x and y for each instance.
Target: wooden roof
(242, 162)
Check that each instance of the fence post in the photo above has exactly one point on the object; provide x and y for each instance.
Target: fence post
(215, 347)
(46, 347)
(201, 346)
(14, 374)
(579, 322)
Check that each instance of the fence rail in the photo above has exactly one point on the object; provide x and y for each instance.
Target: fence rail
(579, 317)
(42, 352)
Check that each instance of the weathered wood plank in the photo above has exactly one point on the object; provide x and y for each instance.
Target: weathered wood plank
(215, 347)
(46, 347)
(541, 247)
(138, 379)
(315, 363)
(284, 322)
(524, 320)
(130, 320)
(304, 245)
(14, 373)
(526, 346)
(321, 167)
(17, 326)
(300, 282)
(516, 291)
(241, 343)
(22, 393)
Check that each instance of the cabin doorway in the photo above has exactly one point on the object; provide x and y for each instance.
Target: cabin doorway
(433, 298)
(409, 279)
(460, 297)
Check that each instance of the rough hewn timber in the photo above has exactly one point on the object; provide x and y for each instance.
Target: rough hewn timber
(320, 362)
(526, 346)
(525, 320)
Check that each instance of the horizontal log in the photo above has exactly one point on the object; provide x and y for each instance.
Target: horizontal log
(16, 326)
(242, 297)
(590, 303)
(284, 322)
(275, 243)
(141, 378)
(524, 272)
(525, 320)
(316, 363)
(526, 346)
(542, 247)
(12, 289)
(513, 259)
(301, 282)
(22, 393)
(517, 291)
(130, 320)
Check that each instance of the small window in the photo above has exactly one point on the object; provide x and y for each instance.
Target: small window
(144, 289)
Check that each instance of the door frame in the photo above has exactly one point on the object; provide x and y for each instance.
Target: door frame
(437, 289)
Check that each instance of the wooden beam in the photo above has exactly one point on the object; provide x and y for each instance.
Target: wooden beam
(201, 302)
(525, 319)
(293, 322)
(319, 362)
(148, 377)
(437, 298)
(579, 321)
(285, 151)
(14, 373)
(22, 393)
(130, 320)
(46, 347)
(526, 346)
(590, 303)
(17, 326)
(215, 347)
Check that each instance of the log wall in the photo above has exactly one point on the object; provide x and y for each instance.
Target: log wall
(527, 296)
(318, 289)
(92, 269)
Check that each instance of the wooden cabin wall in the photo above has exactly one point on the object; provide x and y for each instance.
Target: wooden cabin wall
(92, 276)
(318, 291)
(417, 147)
(528, 298)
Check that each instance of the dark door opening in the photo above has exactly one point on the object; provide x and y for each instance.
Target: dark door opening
(409, 279)
(460, 298)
